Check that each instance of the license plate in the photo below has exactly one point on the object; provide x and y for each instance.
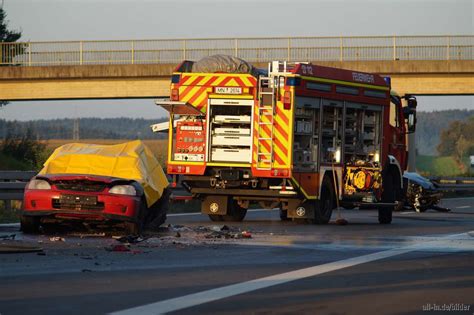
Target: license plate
(228, 90)
(78, 200)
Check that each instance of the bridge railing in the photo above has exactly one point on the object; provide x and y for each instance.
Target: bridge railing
(368, 48)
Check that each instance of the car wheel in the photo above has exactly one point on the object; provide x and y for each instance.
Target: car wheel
(235, 213)
(325, 204)
(30, 224)
(132, 228)
(159, 211)
(284, 215)
(388, 195)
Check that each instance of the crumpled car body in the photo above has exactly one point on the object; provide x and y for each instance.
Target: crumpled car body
(420, 193)
(98, 183)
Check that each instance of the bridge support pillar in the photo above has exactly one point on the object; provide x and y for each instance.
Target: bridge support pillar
(411, 152)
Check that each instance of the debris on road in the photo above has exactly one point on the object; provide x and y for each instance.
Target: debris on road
(246, 234)
(84, 235)
(14, 248)
(118, 248)
(8, 237)
(129, 239)
(227, 232)
(57, 239)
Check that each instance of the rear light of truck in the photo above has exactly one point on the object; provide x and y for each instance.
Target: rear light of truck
(280, 172)
(178, 169)
(287, 100)
(175, 94)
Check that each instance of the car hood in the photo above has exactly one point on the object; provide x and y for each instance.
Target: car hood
(420, 180)
(131, 160)
(94, 178)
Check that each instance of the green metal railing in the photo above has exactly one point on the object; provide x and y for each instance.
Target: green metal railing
(361, 48)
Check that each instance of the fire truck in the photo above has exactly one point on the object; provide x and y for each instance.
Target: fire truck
(299, 137)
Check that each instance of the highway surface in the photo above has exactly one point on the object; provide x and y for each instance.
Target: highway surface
(420, 264)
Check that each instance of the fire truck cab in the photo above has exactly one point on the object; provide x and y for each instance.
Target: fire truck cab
(303, 138)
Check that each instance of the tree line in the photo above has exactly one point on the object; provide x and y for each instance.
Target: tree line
(430, 126)
(89, 128)
(430, 139)
(458, 140)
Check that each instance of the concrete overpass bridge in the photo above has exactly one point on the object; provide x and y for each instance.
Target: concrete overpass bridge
(421, 65)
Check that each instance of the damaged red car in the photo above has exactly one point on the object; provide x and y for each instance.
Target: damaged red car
(136, 199)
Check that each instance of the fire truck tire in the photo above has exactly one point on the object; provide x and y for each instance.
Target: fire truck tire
(388, 195)
(235, 213)
(216, 217)
(30, 224)
(325, 205)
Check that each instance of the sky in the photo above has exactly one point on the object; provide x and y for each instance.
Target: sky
(60, 20)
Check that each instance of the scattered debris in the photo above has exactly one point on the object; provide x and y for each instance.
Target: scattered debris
(84, 235)
(8, 237)
(57, 239)
(118, 248)
(18, 248)
(129, 239)
(87, 257)
(227, 233)
(246, 234)
(41, 253)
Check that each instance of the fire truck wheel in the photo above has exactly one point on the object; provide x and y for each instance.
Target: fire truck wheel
(388, 195)
(235, 212)
(323, 208)
(30, 224)
(215, 217)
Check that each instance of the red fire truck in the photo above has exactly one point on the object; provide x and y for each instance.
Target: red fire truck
(300, 137)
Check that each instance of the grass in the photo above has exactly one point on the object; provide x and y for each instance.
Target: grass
(11, 216)
(439, 166)
(9, 163)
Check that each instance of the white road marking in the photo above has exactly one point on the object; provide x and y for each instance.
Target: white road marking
(407, 212)
(199, 298)
(463, 207)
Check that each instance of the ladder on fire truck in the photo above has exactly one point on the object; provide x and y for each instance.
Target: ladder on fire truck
(266, 112)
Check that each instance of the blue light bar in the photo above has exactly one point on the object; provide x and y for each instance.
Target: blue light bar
(388, 80)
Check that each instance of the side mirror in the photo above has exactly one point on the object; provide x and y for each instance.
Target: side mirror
(411, 100)
(410, 117)
(409, 112)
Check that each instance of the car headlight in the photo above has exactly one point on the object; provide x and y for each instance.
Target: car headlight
(40, 184)
(123, 190)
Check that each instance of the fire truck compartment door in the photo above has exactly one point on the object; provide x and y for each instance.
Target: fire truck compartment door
(178, 108)
(235, 155)
(232, 140)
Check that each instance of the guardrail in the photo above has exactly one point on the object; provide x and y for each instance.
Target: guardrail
(12, 185)
(264, 49)
(454, 184)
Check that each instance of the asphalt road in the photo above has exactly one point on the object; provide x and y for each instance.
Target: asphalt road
(421, 263)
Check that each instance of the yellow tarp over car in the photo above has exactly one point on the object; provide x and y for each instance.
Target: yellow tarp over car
(130, 160)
